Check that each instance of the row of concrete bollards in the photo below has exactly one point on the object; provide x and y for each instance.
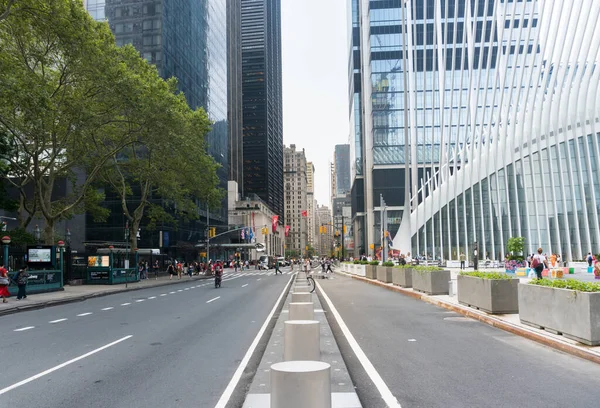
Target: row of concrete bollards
(301, 380)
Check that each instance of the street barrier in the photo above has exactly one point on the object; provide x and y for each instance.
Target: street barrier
(301, 340)
(301, 297)
(301, 311)
(301, 384)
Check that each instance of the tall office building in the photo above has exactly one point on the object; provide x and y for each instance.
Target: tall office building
(296, 202)
(479, 113)
(262, 101)
(185, 39)
(310, 200)
(341, 163)
(325, 240)
(234, 92)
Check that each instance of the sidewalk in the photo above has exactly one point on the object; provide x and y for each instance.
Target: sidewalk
(507, 322)
(79, 293)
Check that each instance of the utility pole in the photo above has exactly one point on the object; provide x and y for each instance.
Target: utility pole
(343, 226)
(383, 225)
(207, 235)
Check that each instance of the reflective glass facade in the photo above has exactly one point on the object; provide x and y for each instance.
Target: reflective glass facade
(262, 102)
(185, 39)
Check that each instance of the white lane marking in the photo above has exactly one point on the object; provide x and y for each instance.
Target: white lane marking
(125, 304)
(57, 320)
(412, 340)
(187, 289)
(140, 300)
(212, 300)
(108, 308)
(180, 290)
(152, 297)
(240, 370)
(24, 328)
(163, 294)
(383, 389)
(243, 286)
(170, 293)
(84, 314)
(58, 367)
(259, 279)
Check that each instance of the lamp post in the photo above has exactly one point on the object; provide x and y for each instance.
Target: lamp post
(126, 263)
(61, 246)
(6, 243)
(475, 256)
(37, 234)
(67, 272)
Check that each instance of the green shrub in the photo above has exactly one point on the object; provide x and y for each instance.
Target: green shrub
(403, 266)
(357, 262)
(374, 263)
(427, 268)
(572, 284)
(364, 262)
(388, 263)
(488, 275)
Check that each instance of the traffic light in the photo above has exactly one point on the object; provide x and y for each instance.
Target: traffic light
(321, 229)
(337, 234)
(387, 234)
(4, 225)
(212, 232)
(344, 229)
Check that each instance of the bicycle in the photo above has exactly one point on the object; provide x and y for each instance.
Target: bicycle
(312, 283)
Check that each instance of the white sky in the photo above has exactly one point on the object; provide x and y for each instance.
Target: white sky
(315, 82)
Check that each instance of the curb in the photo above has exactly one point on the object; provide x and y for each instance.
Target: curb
(82, 298)
(578, 351)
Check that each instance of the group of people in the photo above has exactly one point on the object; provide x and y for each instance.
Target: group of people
(20, 279)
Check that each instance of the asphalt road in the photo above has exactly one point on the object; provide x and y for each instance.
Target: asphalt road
(186, 342)
(430, 357)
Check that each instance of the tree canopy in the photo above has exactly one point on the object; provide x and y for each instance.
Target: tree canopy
(76, 108)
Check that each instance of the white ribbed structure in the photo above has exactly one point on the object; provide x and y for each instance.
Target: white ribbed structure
(501, 115)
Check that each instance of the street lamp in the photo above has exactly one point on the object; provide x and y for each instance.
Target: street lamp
(475, 255)
(67, 272)
(61, 245)
(37, 233)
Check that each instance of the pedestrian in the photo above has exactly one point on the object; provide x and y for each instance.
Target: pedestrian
(22, 283)
(277, 268)
(463, 258)
(4, 282)
(156, 269)
(179, 269)
(590, 259)
(538, 262)
(328, 263)
(171, 271)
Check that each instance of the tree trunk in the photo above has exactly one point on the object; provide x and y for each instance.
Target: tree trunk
(135, 225)
(49, 232)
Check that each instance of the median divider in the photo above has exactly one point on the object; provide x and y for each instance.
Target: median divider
(302, 365)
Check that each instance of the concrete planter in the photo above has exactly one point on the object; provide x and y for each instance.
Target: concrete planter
(432, 283)
(384, 274)
(573, 314)
(402, 277)
(370, 271)
(489, 295)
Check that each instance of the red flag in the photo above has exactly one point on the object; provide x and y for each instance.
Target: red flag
(304, 213)
(287, 230)
(275, 221)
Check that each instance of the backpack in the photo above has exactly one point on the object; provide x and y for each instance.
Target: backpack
(535, 262)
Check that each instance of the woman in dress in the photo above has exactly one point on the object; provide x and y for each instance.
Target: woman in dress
(4, 282)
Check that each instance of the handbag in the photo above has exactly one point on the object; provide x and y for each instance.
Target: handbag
(4, 281)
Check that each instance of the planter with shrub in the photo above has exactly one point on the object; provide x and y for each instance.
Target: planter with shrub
(384, 272)
(568, 307)
(489, 291)
(371, 272)
(431, 280)
(402, 276)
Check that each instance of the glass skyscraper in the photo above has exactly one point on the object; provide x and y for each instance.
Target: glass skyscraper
(186, 39)
(262, 102)
(467, 109)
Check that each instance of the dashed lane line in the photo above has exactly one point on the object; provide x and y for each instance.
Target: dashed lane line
(24, 328)
(84, 314)
(108, 308)
(57, 320)
(212, 300)
(243, 286)
(125, 304)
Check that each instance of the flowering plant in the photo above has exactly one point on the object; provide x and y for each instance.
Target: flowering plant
(513, 265)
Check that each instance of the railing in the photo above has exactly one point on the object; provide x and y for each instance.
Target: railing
(39, 282)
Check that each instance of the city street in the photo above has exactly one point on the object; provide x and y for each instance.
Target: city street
(173, 346)
(429, 357)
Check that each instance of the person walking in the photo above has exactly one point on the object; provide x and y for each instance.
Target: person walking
(171, 271)
(538, 262)
(463, 258)
(328, 263)
(277, 268)
(590, 259)
(4, 282)
(22, 283)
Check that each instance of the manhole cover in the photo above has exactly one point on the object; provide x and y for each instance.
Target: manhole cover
(458, 319)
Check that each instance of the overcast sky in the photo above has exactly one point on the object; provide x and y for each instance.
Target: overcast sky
(315, 82)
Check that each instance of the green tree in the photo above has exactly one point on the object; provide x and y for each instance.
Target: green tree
(516, 246)
(69, 104)
(5, 7)
(163, 173)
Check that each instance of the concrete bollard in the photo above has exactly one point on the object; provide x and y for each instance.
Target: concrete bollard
(301, 297)
(301, 340)
(301, 311)
(301, 384)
